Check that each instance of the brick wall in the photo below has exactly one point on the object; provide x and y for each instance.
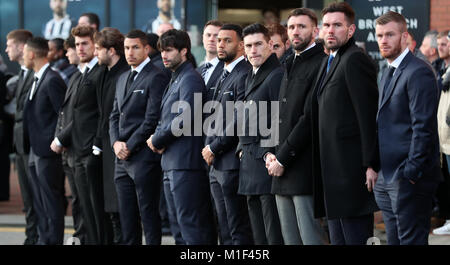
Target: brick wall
(440, 15)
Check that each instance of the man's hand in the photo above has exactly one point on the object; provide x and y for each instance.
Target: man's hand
(55, 148)
(275, 169)
(371, 179)
(121, 150)
(154, 149)
(208, 156)
(269, 158)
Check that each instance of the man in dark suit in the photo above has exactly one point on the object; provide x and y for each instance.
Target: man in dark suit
(40, 115)
(344, 132)
(68, 156)
(109, 51)
(211, 69)
(15, 42)
(407, 135)
(181, 147)
(80, 136)
(262, 86)
(291, 165)
(134, 118)
(220, 147)
(155, 54)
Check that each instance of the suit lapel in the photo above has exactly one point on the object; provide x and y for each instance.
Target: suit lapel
(40, 82)
(215, 75)
(141, 76)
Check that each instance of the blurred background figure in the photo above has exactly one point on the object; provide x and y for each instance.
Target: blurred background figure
(89, 19)
(58, 60)
(270, 16)
(165, 15)
(60, 25)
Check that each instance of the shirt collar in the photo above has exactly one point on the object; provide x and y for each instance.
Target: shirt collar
(41, 71)
(231, 66)
(334, 53)
(396, 63)
(91, 64)
(213, 61)
(141, 66)
(25, 70)
(309, 47)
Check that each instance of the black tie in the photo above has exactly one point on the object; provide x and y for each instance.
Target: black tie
(205, 69)
(130, 80)
(83, 76)
(224, 76)
(390, 73)
(21, 72)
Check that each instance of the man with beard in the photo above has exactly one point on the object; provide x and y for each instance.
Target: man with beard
(110, 52)
(165, 16)
(344, 109)
(291, 165)
(220, 148)
(407, 135)
(185, 180)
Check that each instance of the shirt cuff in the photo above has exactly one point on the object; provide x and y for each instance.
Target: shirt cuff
(58, 143)
(209, 149)
(96, 151)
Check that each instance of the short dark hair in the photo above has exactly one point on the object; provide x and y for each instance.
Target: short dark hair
(152, 40)
(343, 7)
(177, 39)
(392, 16)
(235, 28)
(39, 45)
(278, 29)
(138, 34)
(59, 43)
(70, 42)
(83, 31)
(215, 23)
(255, 29)
(304, 12)
(110, 38)
(93, 19)
(19, 35)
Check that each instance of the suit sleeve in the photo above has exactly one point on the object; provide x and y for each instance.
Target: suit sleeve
(222, 144)
(101, 117)
(423, 101)
(191, 85)
(114, 121)
(360, 76)
(65, 135)
(152, 113)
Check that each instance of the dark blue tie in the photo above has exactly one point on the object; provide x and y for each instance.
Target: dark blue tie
(390, 72)
(330, 60)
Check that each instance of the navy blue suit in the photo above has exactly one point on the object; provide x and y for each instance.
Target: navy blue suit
(212, 81)
(40, 117)
(409, 151)
(225, 168)
(133, 119)
(182, 162)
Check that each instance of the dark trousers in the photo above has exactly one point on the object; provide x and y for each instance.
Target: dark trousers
(192, 205)
(45, 177)
(138, 186)
(172, 213)
(90, 190)
(406, 209)
(232, 211)
(264, 219)
(77, 216)
(27, 198)
(351, 230)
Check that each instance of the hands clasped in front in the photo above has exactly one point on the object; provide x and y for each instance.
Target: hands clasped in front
(274, 168)
(154, 149)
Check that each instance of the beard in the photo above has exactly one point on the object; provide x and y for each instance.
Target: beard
(303, 44)
(394, 52)
(228, 57)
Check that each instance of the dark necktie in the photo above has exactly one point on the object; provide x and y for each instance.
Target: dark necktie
(205, 70)
(21, 75)
(224, 76)
(130, 80)
(390, 72)
(330, 60)
(83, 76)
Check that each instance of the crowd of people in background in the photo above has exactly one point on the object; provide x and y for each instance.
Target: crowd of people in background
(99, 107)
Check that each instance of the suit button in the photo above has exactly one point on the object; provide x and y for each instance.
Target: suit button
(62, 113)
(245, 101)
(292, 153)
(251, 102)
(284, 99)
(281, 121)
(121, 113)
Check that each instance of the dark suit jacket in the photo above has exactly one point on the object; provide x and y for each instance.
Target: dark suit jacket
(83, 127)
(295, 148)
(66, 112)
(182, 152)
(407, 123)
(41, 113)
(344, 108)
(212, 82)
(21, 140)
(136, 112)
(223, 146)
(264, 87)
